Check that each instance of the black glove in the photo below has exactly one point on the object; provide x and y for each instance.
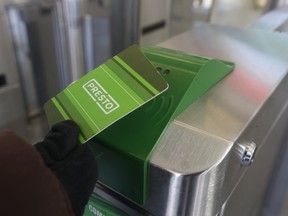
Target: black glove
(73, 163)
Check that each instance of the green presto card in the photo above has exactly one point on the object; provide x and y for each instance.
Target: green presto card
(108, 93)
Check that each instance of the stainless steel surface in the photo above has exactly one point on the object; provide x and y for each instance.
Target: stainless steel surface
(257, 179)
(68, 20)
(158, 12)
(196, 167)
(276, 20)
(273, 4)
(275, 200)
(110, 26)
(124, 24)
(152, 13)
(32, 33)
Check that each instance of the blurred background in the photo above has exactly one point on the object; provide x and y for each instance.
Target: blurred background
(47, 44)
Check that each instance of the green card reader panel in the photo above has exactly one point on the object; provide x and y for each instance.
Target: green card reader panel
(97, 206)
(123, 149)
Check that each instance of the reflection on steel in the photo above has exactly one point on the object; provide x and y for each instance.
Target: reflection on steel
(124, 24)
(195, 169)
(68, 15)
(276, 20)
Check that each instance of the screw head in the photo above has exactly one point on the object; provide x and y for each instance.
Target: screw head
(248, 154)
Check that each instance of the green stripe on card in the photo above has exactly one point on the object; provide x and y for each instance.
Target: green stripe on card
(81, 110)
(65, 116)
(128, 74)
(136, 75)
(132, 94)
(82, 139)
(60, 109)
(87, 130)
(137, 86)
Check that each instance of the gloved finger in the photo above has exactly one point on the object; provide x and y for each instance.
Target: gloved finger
(74, 155)
(78, 173)
(59, 142)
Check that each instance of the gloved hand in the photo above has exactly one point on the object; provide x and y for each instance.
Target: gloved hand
(73, 163)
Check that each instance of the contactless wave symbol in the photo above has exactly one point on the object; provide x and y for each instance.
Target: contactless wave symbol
(160, 109)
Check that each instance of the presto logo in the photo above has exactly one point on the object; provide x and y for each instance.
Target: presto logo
(101, 97)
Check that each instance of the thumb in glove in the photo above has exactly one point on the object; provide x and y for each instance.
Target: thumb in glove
(73, 163)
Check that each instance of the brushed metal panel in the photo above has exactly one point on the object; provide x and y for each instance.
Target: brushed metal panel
(272, 20)
(153, 11)
(185, 149)
(196, 165)
(248, 196)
